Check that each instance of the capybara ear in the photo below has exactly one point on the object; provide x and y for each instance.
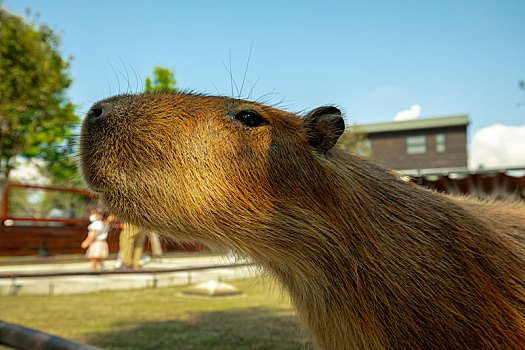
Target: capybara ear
(324, 126)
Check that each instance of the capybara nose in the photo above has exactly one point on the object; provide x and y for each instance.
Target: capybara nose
(98, 111)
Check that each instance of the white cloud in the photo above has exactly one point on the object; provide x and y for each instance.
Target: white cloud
(408, 114)
(498, 146)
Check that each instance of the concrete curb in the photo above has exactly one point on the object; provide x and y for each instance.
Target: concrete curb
(210, 268)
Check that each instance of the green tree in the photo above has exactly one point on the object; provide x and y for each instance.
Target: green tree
(36, 118)
(354, 140)
(163, 80)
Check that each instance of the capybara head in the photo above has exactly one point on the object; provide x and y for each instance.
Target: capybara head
(192, 163)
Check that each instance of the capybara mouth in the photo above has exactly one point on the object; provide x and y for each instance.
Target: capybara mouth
(94, 184)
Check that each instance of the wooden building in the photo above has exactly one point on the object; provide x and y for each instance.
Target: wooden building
(419, 146)
(432, 152)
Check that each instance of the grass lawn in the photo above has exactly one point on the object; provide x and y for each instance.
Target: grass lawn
(160, 319)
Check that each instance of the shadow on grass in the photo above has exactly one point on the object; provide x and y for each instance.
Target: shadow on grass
(252, 328)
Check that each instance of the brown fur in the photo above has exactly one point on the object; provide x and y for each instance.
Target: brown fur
(370, 262)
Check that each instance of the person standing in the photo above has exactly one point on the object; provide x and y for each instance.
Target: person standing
(95, 242)
(156, 245)
(132, 239)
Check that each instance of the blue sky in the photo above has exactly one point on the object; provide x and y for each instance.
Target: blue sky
(371, 58)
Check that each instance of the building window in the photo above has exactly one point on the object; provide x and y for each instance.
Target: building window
(416, 144)
(440, 143)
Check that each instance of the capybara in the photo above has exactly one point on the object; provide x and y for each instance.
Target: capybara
(370, 261)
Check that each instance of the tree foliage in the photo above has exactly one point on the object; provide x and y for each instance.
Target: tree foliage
(355, 140)
(36, 118)
(163, 80)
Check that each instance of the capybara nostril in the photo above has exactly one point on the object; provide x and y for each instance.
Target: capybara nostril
(98, 111)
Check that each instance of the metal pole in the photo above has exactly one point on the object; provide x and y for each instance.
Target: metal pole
(19, 337)
(13, 289)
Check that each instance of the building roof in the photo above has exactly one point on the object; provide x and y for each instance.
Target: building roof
(415, 124)
(460, 172)
(483, 185)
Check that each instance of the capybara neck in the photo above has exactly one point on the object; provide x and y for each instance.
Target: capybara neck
(370, 261)
(397, 264)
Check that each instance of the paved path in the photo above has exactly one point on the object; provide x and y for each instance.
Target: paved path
(58, 285)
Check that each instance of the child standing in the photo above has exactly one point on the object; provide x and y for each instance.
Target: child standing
(96, 240)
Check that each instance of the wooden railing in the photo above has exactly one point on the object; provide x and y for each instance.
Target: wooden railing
(52, 236)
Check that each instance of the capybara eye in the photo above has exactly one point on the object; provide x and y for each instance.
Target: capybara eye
(250, 118)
